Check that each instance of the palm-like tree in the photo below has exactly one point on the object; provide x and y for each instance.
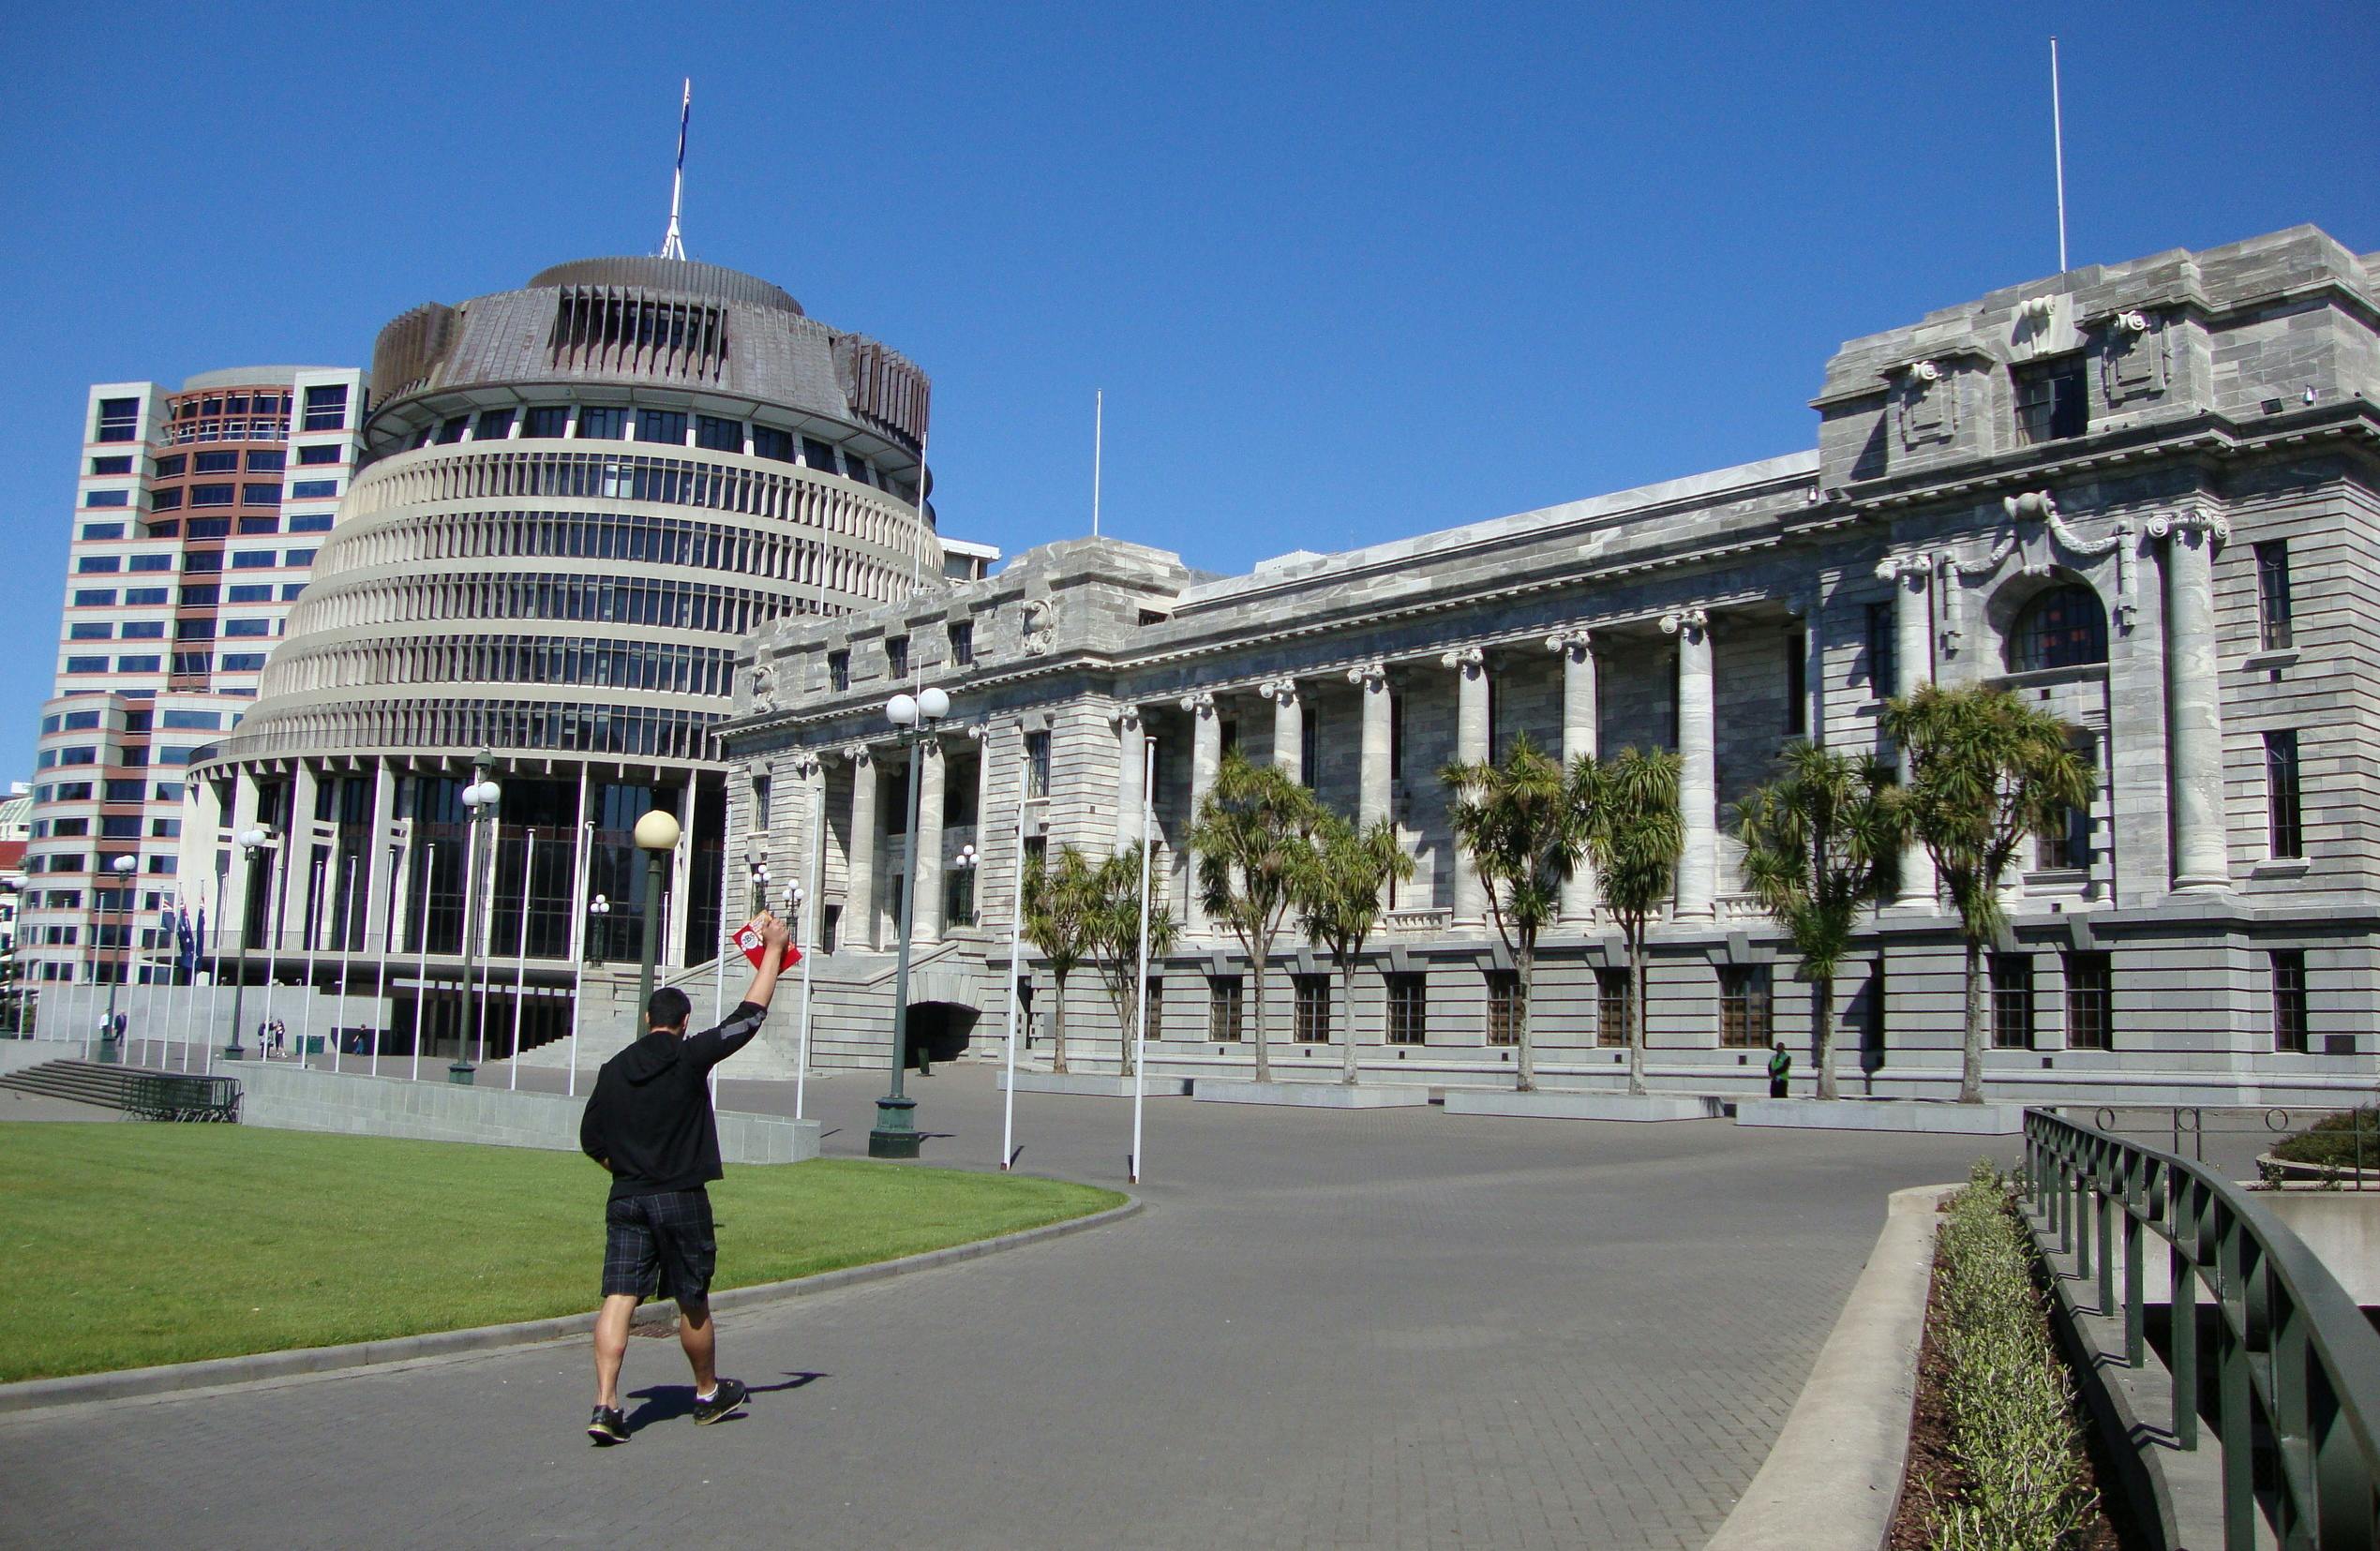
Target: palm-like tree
(1524, 830)
(1340, 885)
(1114, 921)
(1986, 771)
(1255, 826)
(1822, 844)
(1635, 836)
(1059, 901)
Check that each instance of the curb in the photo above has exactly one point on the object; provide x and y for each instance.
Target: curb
(78, 1389)
(1832, 1478)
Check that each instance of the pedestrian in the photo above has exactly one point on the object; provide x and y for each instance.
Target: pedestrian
(1780, 1069)
(650, 1124)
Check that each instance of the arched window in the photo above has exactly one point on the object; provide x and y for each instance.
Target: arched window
(2064, 627)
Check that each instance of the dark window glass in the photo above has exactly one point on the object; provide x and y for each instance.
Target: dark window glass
(1396, 733)
(2285, 829)
(1313, 1021)
(453, 429)
(1504, 1007)
(211, 495)
(719, 436)
(1797, 683)
(170, 466)
(2012, 1000)
(896, 656)
(215, 463)
(122, 464)
(1408, 1009)
(268, 463)
(2090, 991)
(208, 527)
(136, 664)
(817, 454)
(144, 630)
(326, 408)
(2290, 1013)
(260, 495)
(119, 418)
(1224, 1007)
(838, 670)
(769, 443)
(602, 424)
(493, 426)
(962, 643)
(2066, 842)
(546, 423)
(1744, 1007)
(1615, 990)
(2052, 400)
(260, 525)
(311, 522)
(243, 662)
(313, 489)
(103, 529)
(1880, 664)
(1037, 764)
(1310, 747)
(958, 906)
(203, 596)
(2064, 627)
(665, 427)
(324, 453)
(168, 500)
(94, 597)
(107, 498)
(2274, 624)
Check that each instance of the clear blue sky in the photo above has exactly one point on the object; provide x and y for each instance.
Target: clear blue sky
(1346, 273)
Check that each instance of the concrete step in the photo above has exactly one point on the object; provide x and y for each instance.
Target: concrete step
(85, 1081)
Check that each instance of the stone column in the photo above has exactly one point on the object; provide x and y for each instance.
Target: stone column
(1206, 757)
(2193, 700)
(297, 860)
(379, 858)
(1130, 743)
(1289, 728)
(926, 915)
(1578, 741)
(807, 863)
(859, 855)
(243, 875)
(1813, 672)
(1697, 778)
(1913, 668)
(1470, 666)
(1371, 774)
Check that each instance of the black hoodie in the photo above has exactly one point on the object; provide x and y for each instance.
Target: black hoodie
(648, 1120)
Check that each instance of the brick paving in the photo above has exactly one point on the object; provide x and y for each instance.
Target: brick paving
(1395, 1328)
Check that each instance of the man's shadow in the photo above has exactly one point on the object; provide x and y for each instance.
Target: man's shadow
(667, 1402)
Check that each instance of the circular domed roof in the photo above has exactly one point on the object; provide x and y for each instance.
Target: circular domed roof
(679, 275)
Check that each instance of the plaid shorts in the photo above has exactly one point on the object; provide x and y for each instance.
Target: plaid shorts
(660, 1246)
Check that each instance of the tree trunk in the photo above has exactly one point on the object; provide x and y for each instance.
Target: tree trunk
(1058, 1024)
(1822, 1022)
(1526, 963)
(1636, 1013)
(1970, 1070)
(1347, 1014)
(1263, 1060)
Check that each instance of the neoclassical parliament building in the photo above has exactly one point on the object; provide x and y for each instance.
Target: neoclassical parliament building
(2140, 495)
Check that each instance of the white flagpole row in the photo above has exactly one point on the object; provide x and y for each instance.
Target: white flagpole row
(1140, 1021)
(586, 860)
(521, 960)
(1016, 937)
(421, 993)
(815, 864)
(346, 956)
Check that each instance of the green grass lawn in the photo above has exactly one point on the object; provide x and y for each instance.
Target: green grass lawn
(134, 1245)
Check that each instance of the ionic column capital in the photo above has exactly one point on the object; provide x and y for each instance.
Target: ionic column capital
(1126, 718)
(859, 755)
(1368, 676)
(1199, 703)
(806, 764)
(1686, 624)
(1911, 568)
(978, 733)
(1465, 660)
(1280, 692)
(1572, 645)
(2192, 525)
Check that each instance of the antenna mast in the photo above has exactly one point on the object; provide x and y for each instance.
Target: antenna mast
(673, 245)
(2057, 141)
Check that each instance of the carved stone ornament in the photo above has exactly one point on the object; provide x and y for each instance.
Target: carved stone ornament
(1040, 625)
(1687, 623)
(1898, 568)
(1463, 657)
(2191, 521)
(1280, 692)
(805, 766)
(1572, 644)
(1127, 718)
(1368, 676)
(764, 687)
(1199, 703)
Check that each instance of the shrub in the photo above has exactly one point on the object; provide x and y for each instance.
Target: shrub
(2015, 1430)
(2331, 1141)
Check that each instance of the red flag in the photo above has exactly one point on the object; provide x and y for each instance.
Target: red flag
(749, 939)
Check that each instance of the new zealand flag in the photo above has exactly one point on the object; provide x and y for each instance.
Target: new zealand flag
(188, 942)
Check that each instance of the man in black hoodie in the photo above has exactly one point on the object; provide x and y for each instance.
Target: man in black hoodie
(649, 1123)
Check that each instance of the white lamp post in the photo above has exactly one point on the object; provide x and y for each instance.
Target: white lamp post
(252, 844)
(479, 807)
(656, 836)
(110, 1049)
(914, 718)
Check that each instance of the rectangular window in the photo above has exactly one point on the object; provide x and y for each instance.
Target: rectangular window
(1504, 1006)
(261, 525)
(492, 426)
(816, 454)
(209, 527)
(260, 495)
(838, 670)
(144, 596)
(1037, 764)
(194, 720)
(215, 463)
(253, 560)
(119, 420)
(1152, 1009)
(107, 498)
(2090, 992)
(760, 803)
(194, 630)
(896, 656)
(136, 664)
(103, 529)
(122, 465)
(604, 424)
(94, 597)
(1309, 745)
(1396, 733)
(1223, 1008)
(201, 562)
(327, 452)
(243, 662)
(86, 664)
(298, 558)
(2065, 844)
(2012, 1000)
(170, 466)
(1880, 666)
(1313, 1023)
(120, 826)
(204, 595)
(160, 560)
(2272, 596)
(719, 436)
(2290, 1013)
(312, 522)
(958, 897)
(547, 423)
(1744, 1007)
(211, 495)
(90, 564)
(2285, 830)
(90, 630)
(144, 630)
(262, 462)
(1408, 1009)
(326, 408)
(190, 663)
(168, 500)
(962, 643)
(313, 489)
(247, 627)
(772, 444)
(1797, 683)
(665, 427)
(1615, 992)
(2053, 401)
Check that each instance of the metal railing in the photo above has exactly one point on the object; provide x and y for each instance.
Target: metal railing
(180, 1097)
(2297, 1366)
(2189, 1125)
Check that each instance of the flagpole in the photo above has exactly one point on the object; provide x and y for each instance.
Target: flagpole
(278, 921)
(421, 995)
(813, 901)
(521, 960)
(586, 862)
(2057, 140)
(215, 979)
(397, 855)
(1140, 1021)
(346, 938)
(673, 243)
(315, 901)
(1016, 936)
(1099, 445)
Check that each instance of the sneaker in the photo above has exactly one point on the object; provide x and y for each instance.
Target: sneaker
(608, 1426)
(726, 1401)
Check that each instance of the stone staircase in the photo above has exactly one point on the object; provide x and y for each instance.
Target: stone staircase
(84, 1081)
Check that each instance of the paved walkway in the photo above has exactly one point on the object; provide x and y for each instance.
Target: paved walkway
(1400, 1328)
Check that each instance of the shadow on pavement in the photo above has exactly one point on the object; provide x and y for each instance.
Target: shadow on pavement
(668, 1402)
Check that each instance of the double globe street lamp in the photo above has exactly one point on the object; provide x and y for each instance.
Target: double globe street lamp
(656, 836)
(252, 844)
(915, 719)
(480, 800)
(110, 1046)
